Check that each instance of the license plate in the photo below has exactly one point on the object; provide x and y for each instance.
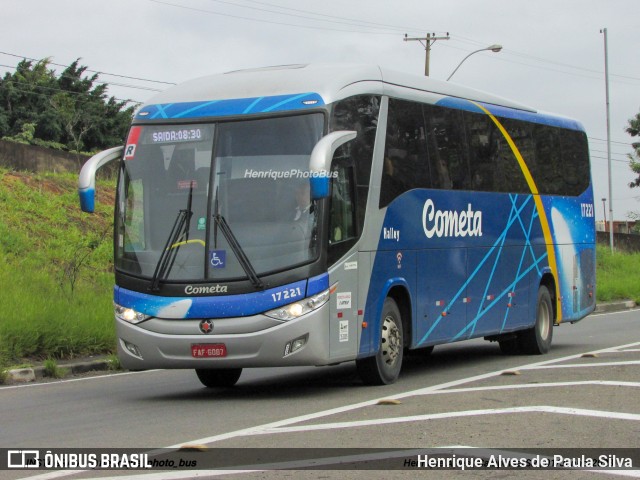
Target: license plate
(215, 350)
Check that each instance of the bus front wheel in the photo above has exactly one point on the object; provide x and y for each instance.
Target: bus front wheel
(537, 340)
(384, 367)
(226, 377)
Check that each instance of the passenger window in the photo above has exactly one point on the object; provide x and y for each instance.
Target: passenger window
(406, 165)
(359, 113)
(493, 165)
(342, 212)
(134, 239)
(448, 150)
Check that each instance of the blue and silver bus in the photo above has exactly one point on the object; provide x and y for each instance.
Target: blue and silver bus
(320, 214)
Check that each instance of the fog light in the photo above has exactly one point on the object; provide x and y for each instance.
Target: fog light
(132, 349)
(295, 345)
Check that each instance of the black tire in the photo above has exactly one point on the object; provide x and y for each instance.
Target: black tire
(384, 368)
(537, 340)
(226, 377)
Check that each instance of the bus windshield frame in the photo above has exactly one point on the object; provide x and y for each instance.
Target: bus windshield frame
(241, 189)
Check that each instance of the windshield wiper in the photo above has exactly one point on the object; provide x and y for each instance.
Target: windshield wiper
(178, 235)
(245, 263)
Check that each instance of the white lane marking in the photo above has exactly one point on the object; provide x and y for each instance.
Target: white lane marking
(584, 365)
(446, 415)
(56, 474)
(621, 473)
(607, 383)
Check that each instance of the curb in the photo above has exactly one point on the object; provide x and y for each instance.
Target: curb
(615, 306)
(31, 374)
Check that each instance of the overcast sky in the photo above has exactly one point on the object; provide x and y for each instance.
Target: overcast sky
(553, 56)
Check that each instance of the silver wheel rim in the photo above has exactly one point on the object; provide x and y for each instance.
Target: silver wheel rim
(544, 320)
(391, 341)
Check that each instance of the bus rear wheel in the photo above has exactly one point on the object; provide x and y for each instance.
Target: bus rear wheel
(384, 367)
(537, 340)
(226, 377)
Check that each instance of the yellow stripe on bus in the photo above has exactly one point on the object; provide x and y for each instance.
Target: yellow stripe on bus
(544, 222)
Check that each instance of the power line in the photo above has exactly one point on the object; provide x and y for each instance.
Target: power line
(626, 144)
(591, 73)
(202, 10)
(564, 64)
(341, 20)
(626, 162)
(508, 51)
(88, 70)
(101, 82)
(31, 92)
(612, 153)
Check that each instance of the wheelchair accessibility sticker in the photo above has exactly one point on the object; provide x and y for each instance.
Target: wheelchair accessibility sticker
(217, 258)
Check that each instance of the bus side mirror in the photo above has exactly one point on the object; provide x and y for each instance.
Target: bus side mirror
(320, 163)
(87, 178)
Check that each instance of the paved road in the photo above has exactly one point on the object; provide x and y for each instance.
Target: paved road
(465, 394)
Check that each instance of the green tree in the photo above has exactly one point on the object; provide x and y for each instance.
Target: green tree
(634, 162)
(71, 108)
(24, 97)
(25, 136)
(75, 121)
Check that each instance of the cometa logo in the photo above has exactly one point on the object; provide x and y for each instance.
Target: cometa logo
(443, 223)
(191, 290)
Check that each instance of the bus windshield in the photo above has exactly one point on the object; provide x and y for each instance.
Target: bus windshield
(222, 201)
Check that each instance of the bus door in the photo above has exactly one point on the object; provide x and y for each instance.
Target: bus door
(343, 275)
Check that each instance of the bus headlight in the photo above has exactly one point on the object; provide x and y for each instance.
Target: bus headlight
(297, 309)
(129, 315)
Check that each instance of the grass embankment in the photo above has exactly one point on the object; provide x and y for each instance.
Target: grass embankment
(618, 275)
(56, 270)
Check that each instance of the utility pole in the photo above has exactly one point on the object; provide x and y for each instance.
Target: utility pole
(606, 77)
(428, 41)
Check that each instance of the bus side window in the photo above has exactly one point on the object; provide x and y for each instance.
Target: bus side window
(359, 113)
(448, 149)
(405, 165)
(494, 167)
(342, 211)
(134, 219)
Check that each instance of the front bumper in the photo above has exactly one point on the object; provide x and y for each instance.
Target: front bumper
(255, 341)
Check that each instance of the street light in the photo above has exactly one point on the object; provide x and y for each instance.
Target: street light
(494, 48)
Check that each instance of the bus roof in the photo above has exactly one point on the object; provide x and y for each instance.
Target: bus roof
(288, 87)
